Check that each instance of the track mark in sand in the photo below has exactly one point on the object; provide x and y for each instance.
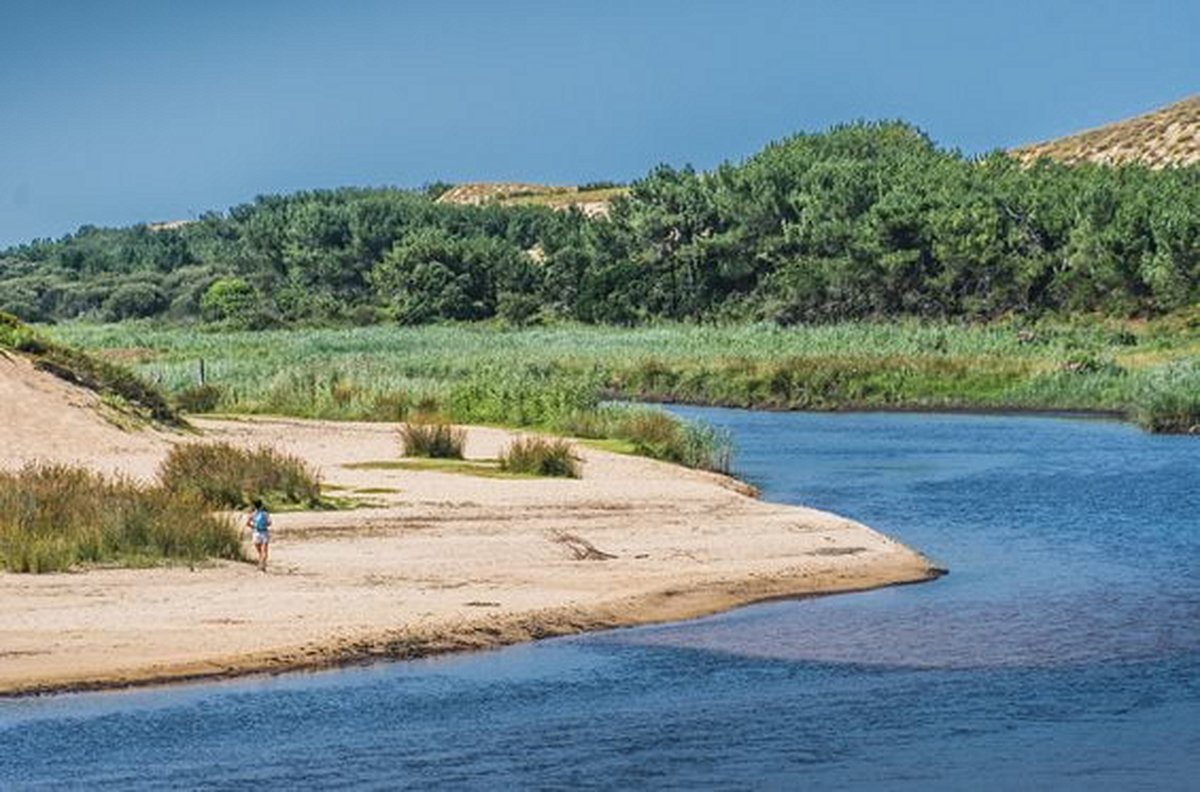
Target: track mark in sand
(836, 551)
(580, 548)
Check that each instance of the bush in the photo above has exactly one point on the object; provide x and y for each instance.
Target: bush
(53, 517)
(228, 476)
(134, 300)
(199, 398)
(540, 457)
(435, 440)
(231, 300)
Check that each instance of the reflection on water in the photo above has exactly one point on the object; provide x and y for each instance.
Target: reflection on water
(1062, 651)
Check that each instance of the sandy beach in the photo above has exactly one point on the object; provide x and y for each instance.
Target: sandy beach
(441, 562)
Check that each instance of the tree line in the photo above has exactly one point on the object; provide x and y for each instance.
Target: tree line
(866, 220)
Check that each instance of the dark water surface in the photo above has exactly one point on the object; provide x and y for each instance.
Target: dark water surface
(1062, 652)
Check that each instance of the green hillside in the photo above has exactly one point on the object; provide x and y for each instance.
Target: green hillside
(869, 220)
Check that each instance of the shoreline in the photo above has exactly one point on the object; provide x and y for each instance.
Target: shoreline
(446, 564)
(403, 646)
(900, 409)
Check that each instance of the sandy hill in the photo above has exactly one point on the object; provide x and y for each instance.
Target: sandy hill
(48, 419)
(592, 202)
(1166, 137)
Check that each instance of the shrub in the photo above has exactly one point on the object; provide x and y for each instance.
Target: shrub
(133, 300)
(435, 440)
(541, 457)
(231, 300)
(199, 398)
(53, 517)
(225, 475)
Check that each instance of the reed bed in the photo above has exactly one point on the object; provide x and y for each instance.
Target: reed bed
(538, 376)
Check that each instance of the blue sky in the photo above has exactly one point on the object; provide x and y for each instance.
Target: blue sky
(120, 112)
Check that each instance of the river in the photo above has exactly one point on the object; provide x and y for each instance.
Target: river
(1062, 650)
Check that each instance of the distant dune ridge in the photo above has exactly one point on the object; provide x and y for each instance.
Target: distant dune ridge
(592, 201)
(1167, 137)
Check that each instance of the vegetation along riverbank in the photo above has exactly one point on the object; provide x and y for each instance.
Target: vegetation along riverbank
(554, 377)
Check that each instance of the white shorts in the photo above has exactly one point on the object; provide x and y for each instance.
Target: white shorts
(262, 537)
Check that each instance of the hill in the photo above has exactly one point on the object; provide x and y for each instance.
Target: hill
(866, 220)
(1167, 137)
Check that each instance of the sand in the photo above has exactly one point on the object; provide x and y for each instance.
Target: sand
(443, 562)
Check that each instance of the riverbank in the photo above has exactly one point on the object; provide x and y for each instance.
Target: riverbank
(441, 562)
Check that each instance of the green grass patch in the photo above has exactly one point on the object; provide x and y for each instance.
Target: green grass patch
(611, 445)
(655, 434)
(482, 468)
(55, 517)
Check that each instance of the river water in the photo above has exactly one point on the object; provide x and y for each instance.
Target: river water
(1062, 651)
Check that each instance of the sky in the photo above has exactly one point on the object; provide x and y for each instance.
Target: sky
(123, 111)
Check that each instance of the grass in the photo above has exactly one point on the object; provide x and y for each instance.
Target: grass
(224, 475)
(540, 456)
(198, 399)
(54, 517)
(481, 468)
(544, 377)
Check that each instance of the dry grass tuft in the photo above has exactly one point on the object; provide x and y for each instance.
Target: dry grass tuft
(539, 456)
(435, 440)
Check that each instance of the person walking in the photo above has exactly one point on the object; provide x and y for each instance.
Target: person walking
(259, 523)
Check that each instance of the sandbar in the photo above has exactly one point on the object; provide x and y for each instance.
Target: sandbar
(439, 562)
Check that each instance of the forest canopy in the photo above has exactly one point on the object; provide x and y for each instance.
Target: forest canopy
(867, 220)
